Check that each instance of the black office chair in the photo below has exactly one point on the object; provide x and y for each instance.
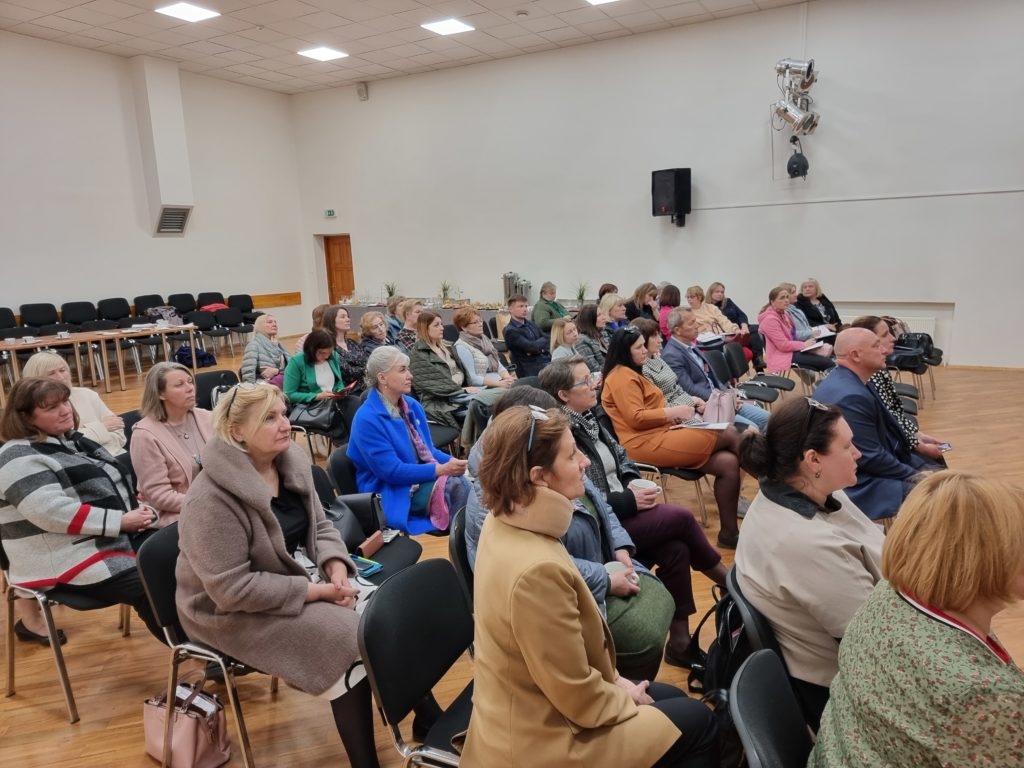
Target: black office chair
(458, 553)
(756, 629)
(156, 563)
(342, 471)
(39, 315)
(767, 715)
(130, 419)
(208, 328)
(719, 364)
(7, 319)
(451, 333)
(206, 298)
(243, 302)
(183, 302)
(208, 381)
(115, 309)
(78, 312)
(422, 607)
(324, 487)
(147, 301)
(232, 319)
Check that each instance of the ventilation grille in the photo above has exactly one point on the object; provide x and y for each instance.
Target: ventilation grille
(172, 220)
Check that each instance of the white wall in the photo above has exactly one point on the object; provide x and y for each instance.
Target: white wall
(73, 210)
(541, 164)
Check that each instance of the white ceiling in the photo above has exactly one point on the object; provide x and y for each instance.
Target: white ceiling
(255, 42)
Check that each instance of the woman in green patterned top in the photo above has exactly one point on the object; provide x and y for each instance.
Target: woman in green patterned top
(922, 680)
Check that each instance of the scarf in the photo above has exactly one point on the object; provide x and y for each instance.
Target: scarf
(422, 452)
(485, 346)
(585, 422)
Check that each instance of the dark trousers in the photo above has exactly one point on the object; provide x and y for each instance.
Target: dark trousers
(671, 538)
(813, 699)
(125, 587)
(697, 745)
(813, 361)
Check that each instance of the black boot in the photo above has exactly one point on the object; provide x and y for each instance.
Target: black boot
(353, 717)
(426, 713)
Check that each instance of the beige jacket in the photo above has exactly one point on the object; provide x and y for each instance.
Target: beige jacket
(163, 467)
(544, 695)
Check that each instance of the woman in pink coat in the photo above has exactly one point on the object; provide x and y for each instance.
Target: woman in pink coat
(781, 349)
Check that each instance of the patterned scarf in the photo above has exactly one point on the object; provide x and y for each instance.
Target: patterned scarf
(422, 452)
(585, 422)
(485, 346)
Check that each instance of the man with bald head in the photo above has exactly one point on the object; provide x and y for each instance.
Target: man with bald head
(888, 468)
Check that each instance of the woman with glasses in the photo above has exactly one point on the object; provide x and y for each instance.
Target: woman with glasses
(547, 692)
(373, 331)
(652, 431)
(483, 366)
(239, 586)
(394, 455)
(808, 558)
(664, 535)
(168, 442)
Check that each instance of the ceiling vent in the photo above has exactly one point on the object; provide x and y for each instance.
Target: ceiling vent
(172, 220)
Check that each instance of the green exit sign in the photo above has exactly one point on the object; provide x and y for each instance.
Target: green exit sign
(329, 213)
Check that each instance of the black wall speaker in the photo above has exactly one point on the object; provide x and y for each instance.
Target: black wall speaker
(670, 192)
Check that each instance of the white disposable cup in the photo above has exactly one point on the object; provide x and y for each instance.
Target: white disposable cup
(642, 484)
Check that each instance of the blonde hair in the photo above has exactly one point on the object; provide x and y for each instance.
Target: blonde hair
(505, 469)
(237, 407)
(958, 539)
(695, 290)
(42, 364)
(609, 302)
(260, 324)
(558, 331)
(405, 306)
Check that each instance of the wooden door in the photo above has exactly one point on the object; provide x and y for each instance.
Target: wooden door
(341, 281)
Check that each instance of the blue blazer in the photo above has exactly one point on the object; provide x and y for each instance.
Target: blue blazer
(690, 375)
(386, 462)
(528, 346)
(886, 462)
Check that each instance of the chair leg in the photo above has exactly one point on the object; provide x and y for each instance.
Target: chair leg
(172, 686)
(58, 658)
(124, 620)
(236, 708)
(10, 642)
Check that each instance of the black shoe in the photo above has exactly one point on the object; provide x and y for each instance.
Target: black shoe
(687, 659)
(727, 541)
(24, 633)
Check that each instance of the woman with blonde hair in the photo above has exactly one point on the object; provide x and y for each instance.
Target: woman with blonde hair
(709, 317)
(922, 680)
(96, 421)
(264, 358)
(816, 305)
(564, 336)
(643, 303)
(546, 690)
(373, 331)
(409, 313)
(613, 307)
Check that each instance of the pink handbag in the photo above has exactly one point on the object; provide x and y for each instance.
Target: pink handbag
(720, 406)
(198, 731)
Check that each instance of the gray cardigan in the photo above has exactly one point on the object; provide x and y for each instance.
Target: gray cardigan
(238, 587)
(261, 353)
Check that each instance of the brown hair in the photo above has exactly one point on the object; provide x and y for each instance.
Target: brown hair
(647, 327)
(505, 470)
(606, 288)
(423, 324)
(669, 296)
(368, 319)
(27, 395)
(463, 316)
(958, 539)
(640, 294)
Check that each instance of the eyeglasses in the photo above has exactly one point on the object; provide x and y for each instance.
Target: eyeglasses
(234, 393)
(812, 406)
(592, 380)
(536, 414)
(630, 330)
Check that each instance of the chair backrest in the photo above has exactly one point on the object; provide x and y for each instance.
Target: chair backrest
(229, 318)
(204, 321)
(78, 312)
(528, 381)
(767, 715)
(183, 302)
(98, 325)
(209, 297)
(492, 324)
(759, 633)
(147, 301)
(240, 301)
(342, 470)
(156, 561)
(716, 359)
(7, 319)
(113, 309)
(738, 365)
(18, 331)
(208, 381)
(130, 419)
(451, 333)
(421, 607)
(38, 314)
(324, 487)
(458, 553)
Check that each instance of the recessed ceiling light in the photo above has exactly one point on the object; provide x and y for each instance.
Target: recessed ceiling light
(600, 2)
(187, 12)
(323, 54)
(447, 27)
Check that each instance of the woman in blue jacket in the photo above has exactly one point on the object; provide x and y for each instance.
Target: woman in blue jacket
(393, 454)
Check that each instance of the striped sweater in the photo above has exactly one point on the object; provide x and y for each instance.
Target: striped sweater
(60, 513)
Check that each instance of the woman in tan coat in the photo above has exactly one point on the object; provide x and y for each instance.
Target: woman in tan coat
(546, 691)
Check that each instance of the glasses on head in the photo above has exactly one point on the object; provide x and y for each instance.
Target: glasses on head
(592, 380)
(234, 393)
(630, 330)
(812, 406)
(536, 414)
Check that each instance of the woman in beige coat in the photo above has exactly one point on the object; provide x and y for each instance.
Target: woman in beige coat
(546, 691)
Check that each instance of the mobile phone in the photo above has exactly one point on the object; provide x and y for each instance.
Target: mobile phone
(366, 567)
(945, 447)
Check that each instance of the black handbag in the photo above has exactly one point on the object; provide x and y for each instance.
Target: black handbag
(322, 416)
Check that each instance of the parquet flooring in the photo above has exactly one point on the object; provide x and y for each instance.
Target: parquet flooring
(977, 410)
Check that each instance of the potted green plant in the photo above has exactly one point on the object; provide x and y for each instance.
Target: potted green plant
(581, 292)
(446, 290)
(391, 289)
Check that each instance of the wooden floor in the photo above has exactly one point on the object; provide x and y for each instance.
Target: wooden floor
(978, 411)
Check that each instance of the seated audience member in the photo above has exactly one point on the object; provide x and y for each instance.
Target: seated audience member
(648, 428)
(816, 307)
(95, 420)
(564, 336)
(882, 385)
(716, 298)
(393, 454)
(264, 358)
(67, 510)
(922, 679)
(526, 343)
(643, 303)
(709, 317)
(373, 332)
(606, 288)
(808, 557)
(318, 321)
(659, 372)
(239, 586)
(316, 375)
(668, 300)
(394, 322)
(351, 355)
(440, 379)
(664, 535)
(547, 310)
(592, 343)
(409, 313)
(782, 349)
(546, 689)
(482, 364)
(692, 371)
(614, 308)
(887, 468)
(638, 611)
(803, 329)
(167, 443)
